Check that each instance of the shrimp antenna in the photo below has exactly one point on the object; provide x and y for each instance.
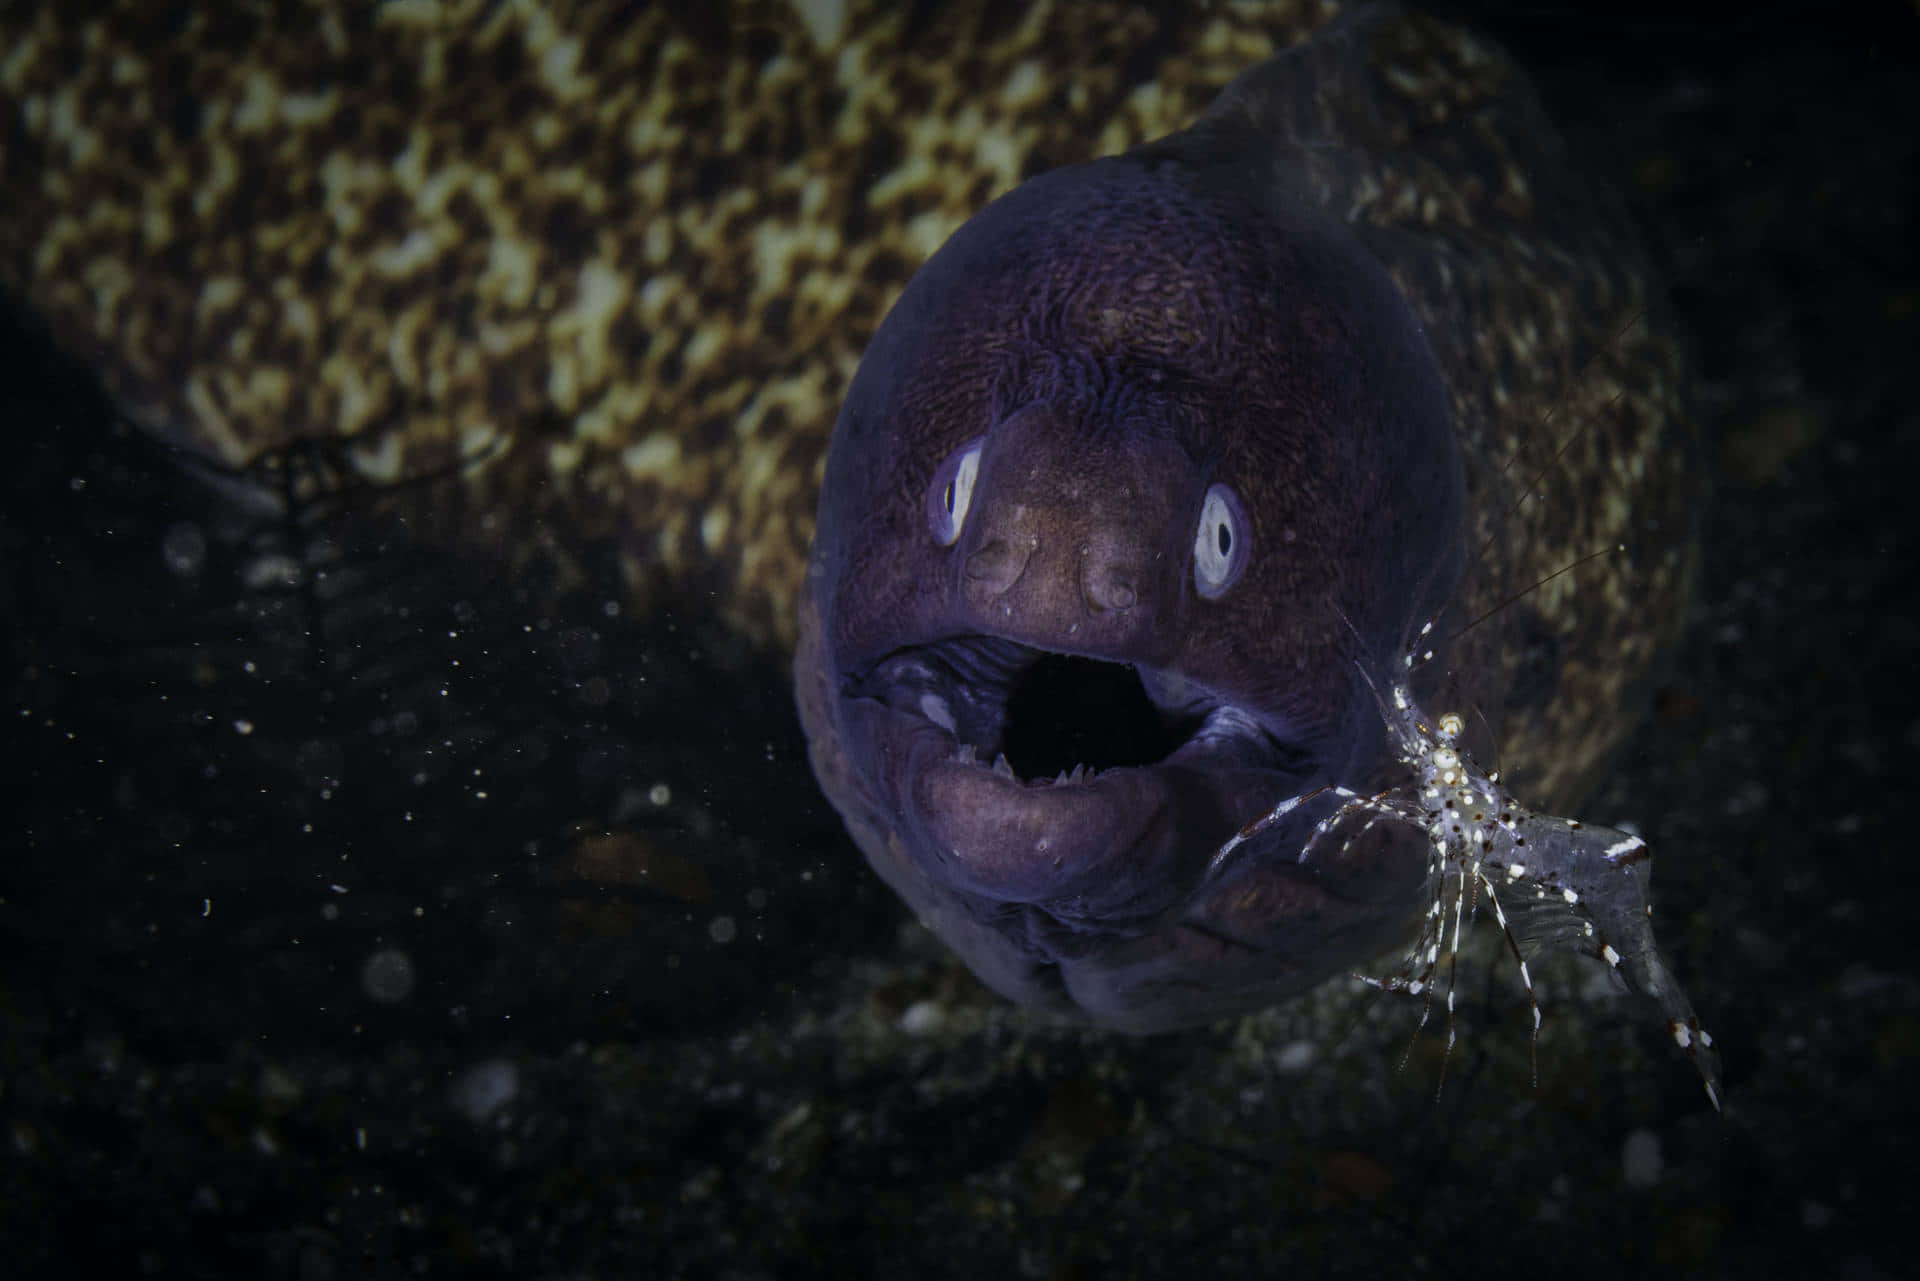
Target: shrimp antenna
(1533, 587)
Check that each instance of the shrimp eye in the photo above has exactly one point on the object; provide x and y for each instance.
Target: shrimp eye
(951, 492)
(1221, 544)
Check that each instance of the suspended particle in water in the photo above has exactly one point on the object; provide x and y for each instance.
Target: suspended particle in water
(388, 976)
(1641, 1160)
(184, 549)
(483, 1089)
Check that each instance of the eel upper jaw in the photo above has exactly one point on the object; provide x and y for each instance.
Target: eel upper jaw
(1097, 788)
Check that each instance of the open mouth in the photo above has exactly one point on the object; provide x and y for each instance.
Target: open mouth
(1043, 718)
(1095, 789)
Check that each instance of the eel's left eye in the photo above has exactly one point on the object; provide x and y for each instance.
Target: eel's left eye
(952, 491)
(1221, 544)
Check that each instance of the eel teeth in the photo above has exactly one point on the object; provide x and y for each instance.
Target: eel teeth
(1002, 767)
(966, 754)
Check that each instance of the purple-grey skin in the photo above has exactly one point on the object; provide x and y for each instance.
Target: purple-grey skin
(1139, 465)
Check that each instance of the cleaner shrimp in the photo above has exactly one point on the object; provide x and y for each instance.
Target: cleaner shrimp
(1550, 883)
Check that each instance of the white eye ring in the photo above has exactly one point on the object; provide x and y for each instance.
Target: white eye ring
(1221, 543)
(951, 492)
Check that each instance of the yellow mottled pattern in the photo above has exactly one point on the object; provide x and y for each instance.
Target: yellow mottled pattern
(1568, 401)
(624, 261)
(613, 269)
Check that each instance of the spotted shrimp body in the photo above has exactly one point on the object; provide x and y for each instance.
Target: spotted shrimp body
(1551, 883)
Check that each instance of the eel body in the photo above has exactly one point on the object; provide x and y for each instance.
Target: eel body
(609, 277)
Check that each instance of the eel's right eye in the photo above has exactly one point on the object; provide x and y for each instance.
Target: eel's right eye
(951, 492)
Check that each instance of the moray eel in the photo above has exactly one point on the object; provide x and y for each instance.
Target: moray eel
(1148, 467)
(1352, 348)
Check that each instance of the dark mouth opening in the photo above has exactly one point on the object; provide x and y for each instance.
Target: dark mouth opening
(1064, 711)
(1044, 717)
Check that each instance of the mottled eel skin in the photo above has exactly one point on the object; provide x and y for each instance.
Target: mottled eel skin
(625, 266)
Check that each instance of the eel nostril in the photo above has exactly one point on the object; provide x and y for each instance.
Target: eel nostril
(996, 564)
(1112, 590)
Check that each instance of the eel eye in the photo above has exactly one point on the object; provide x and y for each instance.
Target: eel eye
(1221, 544)
(952, 491)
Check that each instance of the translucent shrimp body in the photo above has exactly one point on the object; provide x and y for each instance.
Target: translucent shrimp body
(1551, 883)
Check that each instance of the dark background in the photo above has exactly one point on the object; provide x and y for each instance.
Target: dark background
(345, 929)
